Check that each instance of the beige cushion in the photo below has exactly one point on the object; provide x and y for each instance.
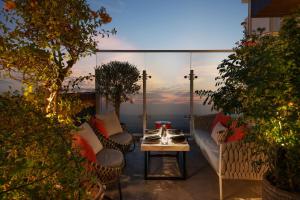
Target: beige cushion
(112, 123)
(122, 138)
(109, 158)
(88, 134)
(219, 133)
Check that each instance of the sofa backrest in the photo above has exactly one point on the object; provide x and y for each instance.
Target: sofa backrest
(204, 122)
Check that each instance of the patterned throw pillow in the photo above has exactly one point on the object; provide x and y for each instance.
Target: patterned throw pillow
(100, 126)
(87, 133)
(112, 123)
(222, 118)
(238, 131)
(219, 133)
(86, 150)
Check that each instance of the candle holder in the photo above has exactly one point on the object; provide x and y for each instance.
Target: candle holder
(164, 138)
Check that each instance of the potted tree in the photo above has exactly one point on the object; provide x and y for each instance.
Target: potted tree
(116, 81)
(261, 81)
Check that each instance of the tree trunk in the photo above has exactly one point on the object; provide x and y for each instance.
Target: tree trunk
(53, 96)
(106, 103)
(117, 105)
(117, 108)
(51, 102)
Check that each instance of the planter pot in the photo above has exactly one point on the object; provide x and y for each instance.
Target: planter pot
(270, 192)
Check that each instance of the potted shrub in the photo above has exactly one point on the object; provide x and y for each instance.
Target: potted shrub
(261, 81)
(116, 81)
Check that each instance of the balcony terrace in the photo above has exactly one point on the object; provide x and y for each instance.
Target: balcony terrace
(202, 181)
(85, 114)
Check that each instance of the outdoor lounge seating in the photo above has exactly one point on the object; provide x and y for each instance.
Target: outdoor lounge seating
(109, 162)
(230, 160)
(117, 137)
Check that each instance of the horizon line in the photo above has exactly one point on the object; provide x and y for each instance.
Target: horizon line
(164, 50)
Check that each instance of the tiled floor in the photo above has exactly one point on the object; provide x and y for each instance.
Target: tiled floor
(201, 184)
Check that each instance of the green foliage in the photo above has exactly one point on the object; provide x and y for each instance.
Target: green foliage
(116, 81)
(67, 105)
(261, 80)
(85, 114)
(41, 41)
(36, 159)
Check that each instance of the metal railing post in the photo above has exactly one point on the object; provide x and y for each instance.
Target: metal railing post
(98, 97)
(145, 77)
(191, 77)
(144, 101)
(191, 101)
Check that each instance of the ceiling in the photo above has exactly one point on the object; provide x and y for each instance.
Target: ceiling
(273, 8)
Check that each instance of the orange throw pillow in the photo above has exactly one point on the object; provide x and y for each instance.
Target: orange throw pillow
(100, 126)
(223, 119)
(238, 132)
(86, 150)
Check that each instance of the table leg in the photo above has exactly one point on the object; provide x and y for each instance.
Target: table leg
(178, 158)
(184, 165)
(146, 165)
(181, 160)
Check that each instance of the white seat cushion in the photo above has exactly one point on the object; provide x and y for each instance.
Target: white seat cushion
(208, 147)
(112, 123)
(88, 134)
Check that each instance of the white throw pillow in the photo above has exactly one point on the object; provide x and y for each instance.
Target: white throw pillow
(112, 123)
(88, 134)
(219, 133)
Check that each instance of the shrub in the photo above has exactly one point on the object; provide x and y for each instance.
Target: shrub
(262, 81)
(36, 159)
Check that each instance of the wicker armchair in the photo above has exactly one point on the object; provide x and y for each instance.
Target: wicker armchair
(106, 176)
(109, 175)
(233, 160)
(115, 144)
(122, 140)
(96, 189)
(109, 161)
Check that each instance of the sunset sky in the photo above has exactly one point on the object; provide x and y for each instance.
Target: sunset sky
(169, 24)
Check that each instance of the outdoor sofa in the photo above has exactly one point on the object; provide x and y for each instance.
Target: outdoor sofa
(230, 160)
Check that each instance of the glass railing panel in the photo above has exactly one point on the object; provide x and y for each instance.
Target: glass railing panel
(131, 111)
(168, 92)
(205, 68)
